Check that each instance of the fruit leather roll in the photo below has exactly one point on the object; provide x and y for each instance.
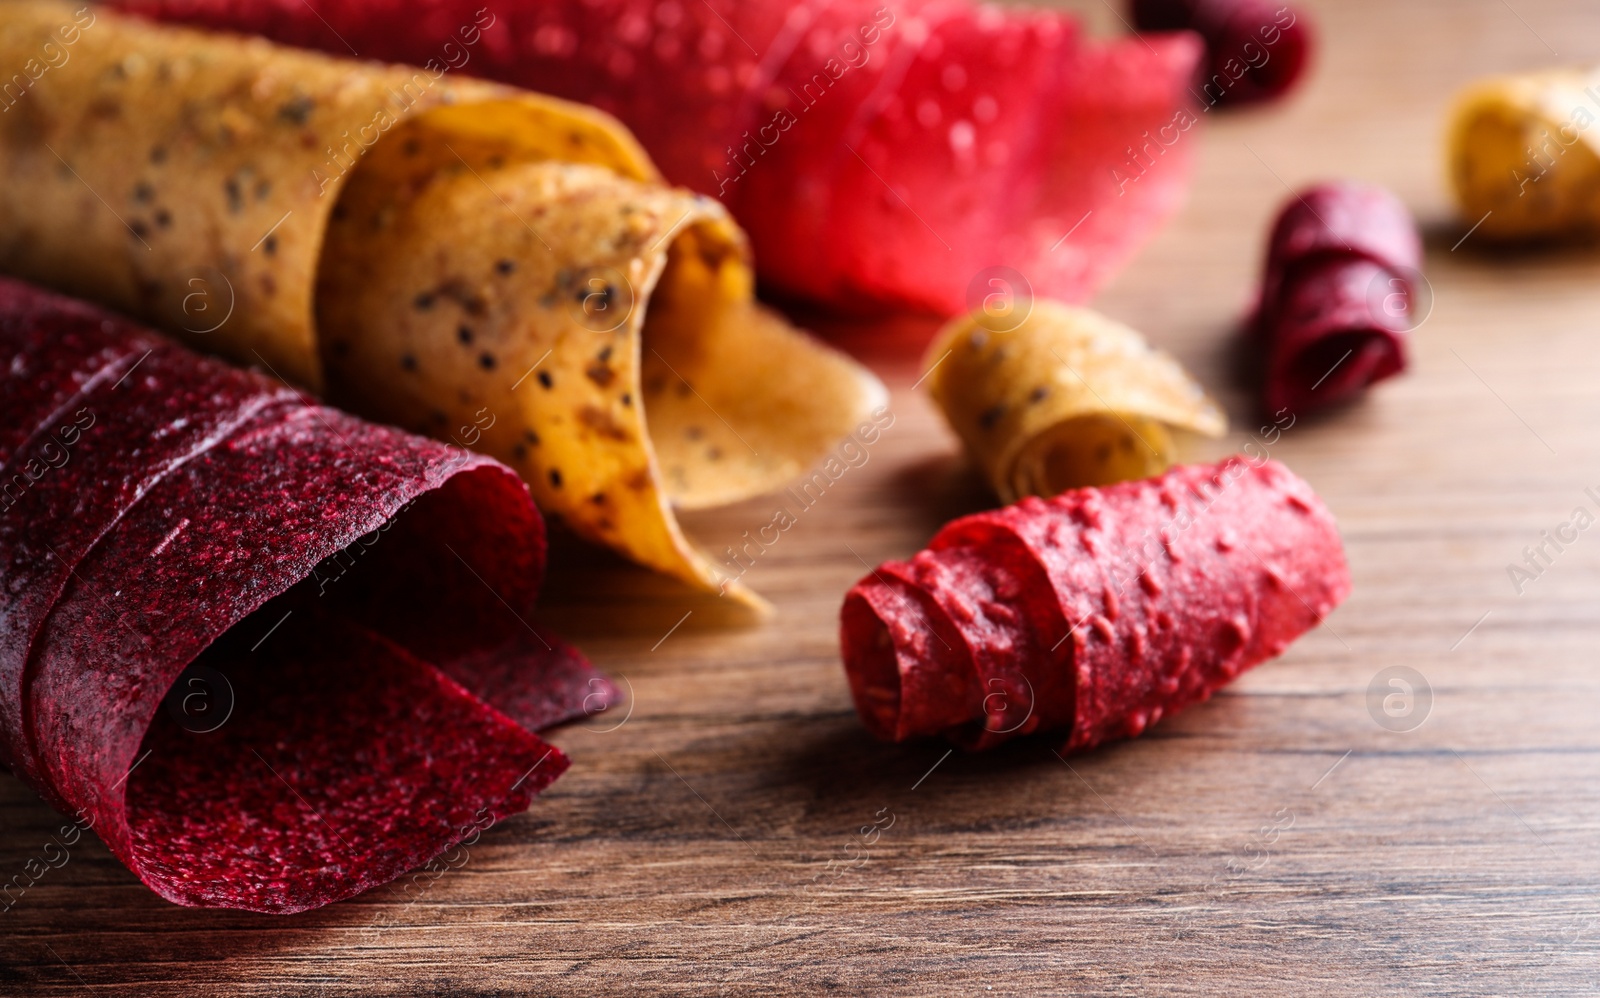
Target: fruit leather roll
(1525, 156)
(1339, 295)
(1093, 614)
(878, 151)
(1061, 398)
(271, 654)
(1256, 50)
(488, 266)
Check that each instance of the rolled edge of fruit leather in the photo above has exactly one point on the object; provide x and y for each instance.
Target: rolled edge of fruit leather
(218, 186)
(302, 591)
(1339, 295)
(1524, 154)
(1168, 588)
(1061, 398)
(188, 178)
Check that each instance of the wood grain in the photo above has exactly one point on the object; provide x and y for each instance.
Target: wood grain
(1276, 840)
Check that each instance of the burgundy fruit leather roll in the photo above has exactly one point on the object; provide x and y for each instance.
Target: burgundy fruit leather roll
(1339, 295)
(877, 151)
(1095, 613)
(1256, 50)
(311, 595)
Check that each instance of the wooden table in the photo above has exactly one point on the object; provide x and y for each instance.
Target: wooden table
(1275, 840)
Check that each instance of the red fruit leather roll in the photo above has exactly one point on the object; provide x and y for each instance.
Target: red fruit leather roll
(323, 604)
(1256, 50)
(878, 152)
(1093, 614)
(1339, 295)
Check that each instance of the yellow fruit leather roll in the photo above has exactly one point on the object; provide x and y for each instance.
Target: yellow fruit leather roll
(493, 267)
(1067, 398)
(1524, 154)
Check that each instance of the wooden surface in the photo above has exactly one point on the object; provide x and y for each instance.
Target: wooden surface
(1276, 840)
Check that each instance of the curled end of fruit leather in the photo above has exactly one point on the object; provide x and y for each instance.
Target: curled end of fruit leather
(1094, 614)
(1063, 398)
(1341, 294)
(263, 649)
(1505, 191)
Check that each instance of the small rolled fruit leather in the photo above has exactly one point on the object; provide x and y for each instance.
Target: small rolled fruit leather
(1525, 156)
(1256, 50)
(1339, 297)
(1094, 614)
(1067, 398)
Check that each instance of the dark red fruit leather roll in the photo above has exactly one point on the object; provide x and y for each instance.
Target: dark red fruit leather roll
(261, 647)
(879, 152)
(1093, 614)
(1339, 296)
(1256, 50)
